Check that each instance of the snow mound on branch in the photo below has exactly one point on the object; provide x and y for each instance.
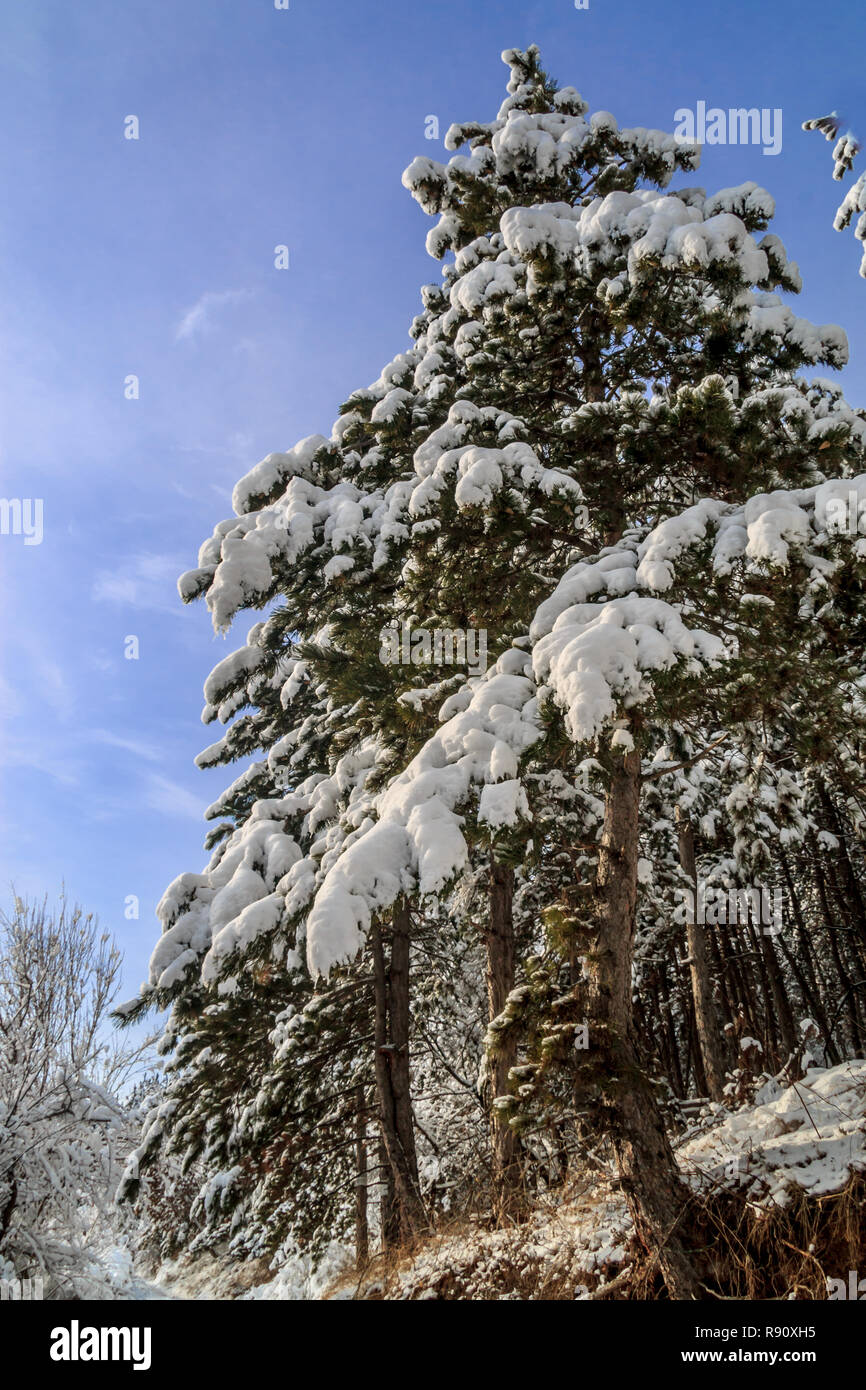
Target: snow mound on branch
(598, 656)
(810, 1135)
(207, 917)
(853, 203)
(418, 841)
(650, 228)
(275, 470)
(482, 473)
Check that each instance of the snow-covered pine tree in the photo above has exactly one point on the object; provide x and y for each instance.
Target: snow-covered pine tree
(316, 716)
(602, 354)
(524, 295)
(752, 337)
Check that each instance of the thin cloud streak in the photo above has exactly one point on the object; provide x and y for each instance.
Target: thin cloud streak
(199, 319)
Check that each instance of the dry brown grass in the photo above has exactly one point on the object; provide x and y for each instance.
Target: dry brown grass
(745, 1253)
(790, 1251)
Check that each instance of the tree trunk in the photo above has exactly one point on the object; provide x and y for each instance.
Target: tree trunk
(499, 941)
(628, 1114)
(804, 970)
(391, 987)
(787, 1028)
(362, 1234)
(852, 898)
(848, 996)
(389, 1207)
(706, 1019)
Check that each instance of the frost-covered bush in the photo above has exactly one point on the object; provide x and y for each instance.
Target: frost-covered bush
(63, 1127)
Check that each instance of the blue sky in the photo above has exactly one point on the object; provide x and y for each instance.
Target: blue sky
(155, 257)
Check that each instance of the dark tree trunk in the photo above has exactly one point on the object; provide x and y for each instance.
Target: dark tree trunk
(499, 941)
(848, 996)
(391, 985)
(627, 1109)
(787, 1028)
(851, 895)
(706, 1019)
(362, 1232)
(665, 1033)
(812, 1000)
(389, 1208)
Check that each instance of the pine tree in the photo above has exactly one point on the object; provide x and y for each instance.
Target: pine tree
(597, 452)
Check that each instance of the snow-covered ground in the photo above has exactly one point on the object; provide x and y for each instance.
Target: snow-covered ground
(811, 1135)
(126, 1281)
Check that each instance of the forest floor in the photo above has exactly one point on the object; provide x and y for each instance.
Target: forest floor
(791, 1161)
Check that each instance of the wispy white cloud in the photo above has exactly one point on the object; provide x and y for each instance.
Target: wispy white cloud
(40, 679)
(10, 702)
(146, 580)
(32, 752)
(199, 319)
(126, 745)
(170, 799)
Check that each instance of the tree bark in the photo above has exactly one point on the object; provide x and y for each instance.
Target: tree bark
(853, 905)
(391, 989)
(706, 1018)
(627, 1110)
(499, 941)
(848, 995)
(362, 1231)
(803, 968)
(787, 1028)
(389, 1207)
